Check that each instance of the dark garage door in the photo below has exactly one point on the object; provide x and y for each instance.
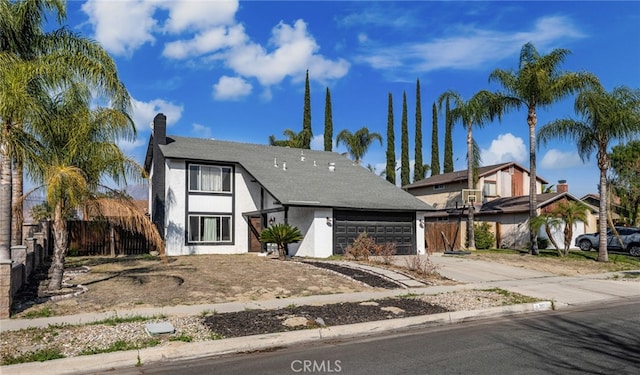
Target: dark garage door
(384, 227)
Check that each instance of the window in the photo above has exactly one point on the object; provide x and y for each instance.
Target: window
(490, 189)
(438, 187)
(209, 228)
(209, 178)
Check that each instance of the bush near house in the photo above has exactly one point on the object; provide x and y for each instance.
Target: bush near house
(485, 239)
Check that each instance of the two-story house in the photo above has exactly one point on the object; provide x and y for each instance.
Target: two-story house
(503, 202)
(215, 197)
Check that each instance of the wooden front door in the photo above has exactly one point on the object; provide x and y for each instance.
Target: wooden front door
(255, 228)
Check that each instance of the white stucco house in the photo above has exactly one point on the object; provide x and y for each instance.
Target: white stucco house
(215, 197)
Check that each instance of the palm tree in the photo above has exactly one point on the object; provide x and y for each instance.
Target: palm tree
(281, 235)
(538, 83)
(550, 222)
(357, 143)
(571, 212)
(77, 151)
(477, 111)
(294, 140)
(606, 116)
(47, 61)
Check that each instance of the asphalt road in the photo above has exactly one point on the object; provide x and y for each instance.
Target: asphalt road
(597, 339)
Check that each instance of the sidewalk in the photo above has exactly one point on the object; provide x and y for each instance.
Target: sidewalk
(558, 291)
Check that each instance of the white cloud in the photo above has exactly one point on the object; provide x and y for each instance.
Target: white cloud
(144, 112)
(204, 42)
(201, 131)
(209, 31)
(231, 88)
(189, 15)
(294, 50)
(505, 148)
(556, 159)
(121, 27)
(470, 49)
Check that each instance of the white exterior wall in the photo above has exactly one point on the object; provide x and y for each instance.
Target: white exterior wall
(318, 236)
(420, 240)
(558, 235)
(175, 214)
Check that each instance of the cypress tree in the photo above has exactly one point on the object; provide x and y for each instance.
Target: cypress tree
(418, 168)
(448, 141)
(306, 120)
(391, 148)
(328, 123)
(404, 158)
(435, 152)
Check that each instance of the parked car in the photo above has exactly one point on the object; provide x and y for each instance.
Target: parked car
(630, 237)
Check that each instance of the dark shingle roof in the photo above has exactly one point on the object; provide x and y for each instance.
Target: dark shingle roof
(521, 203)
(304, 183)
(458, 176)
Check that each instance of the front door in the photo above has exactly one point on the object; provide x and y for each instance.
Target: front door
(255, 228)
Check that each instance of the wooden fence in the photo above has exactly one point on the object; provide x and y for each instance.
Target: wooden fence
(433, 236)
(98, 238)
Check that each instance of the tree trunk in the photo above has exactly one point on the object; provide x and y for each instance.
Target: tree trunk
(547, 229)
(5, 203)
(533, 199)
(471, 238)
(603, 256)
(568, 233)
(60, 245)
(16, 205)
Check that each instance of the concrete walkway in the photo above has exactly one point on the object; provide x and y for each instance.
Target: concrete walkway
(557, 291)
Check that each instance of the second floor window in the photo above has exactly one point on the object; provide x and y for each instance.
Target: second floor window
(208, 178)
(490, 189)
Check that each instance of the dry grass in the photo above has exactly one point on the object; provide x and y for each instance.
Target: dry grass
(577, 263)
(125, 283)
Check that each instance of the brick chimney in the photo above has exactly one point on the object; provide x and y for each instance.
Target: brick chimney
(158, 176)
(562, 186)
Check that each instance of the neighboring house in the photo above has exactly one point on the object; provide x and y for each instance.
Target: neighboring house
(209, 196)
(618, 213)
(505, 204)
(494, 181)
(509, 217)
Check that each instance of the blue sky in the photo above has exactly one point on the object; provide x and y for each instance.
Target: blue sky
(235, 71)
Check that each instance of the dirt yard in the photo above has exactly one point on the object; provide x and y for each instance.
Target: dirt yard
(124, 283)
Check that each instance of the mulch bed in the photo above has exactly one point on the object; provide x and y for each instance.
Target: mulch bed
(255, 322)
(359, 275)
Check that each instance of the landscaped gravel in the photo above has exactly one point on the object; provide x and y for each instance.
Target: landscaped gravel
(74, 340)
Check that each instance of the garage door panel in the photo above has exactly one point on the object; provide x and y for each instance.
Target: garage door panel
(400, 232)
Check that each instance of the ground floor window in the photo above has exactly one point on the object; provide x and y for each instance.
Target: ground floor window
(209, 228)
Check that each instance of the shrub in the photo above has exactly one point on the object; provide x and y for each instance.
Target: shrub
(543, 243)
(422, 266)
(361, 248)
(386, 251)
(485, 239)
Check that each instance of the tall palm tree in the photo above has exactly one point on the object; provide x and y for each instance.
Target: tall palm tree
(477, 111)
(571, 212)
(358, 143)
(77, 152)
(606, 116)
(54, 59)
(538, 83)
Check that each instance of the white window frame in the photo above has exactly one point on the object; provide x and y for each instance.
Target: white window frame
(213, 168)
(486, 192)
(219, 229)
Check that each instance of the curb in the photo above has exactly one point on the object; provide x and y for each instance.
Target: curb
(182, 351)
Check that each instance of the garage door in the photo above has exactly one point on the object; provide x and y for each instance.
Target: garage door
(384, 227)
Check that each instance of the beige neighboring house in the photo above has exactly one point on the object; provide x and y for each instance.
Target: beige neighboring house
(504, 204)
